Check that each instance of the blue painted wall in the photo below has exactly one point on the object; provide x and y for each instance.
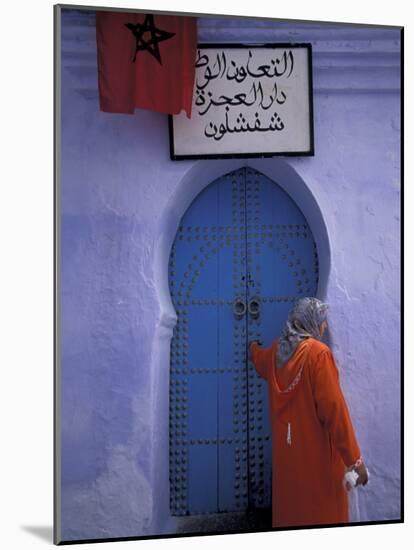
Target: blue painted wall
(121, 202)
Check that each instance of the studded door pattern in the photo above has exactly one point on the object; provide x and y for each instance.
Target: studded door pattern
(243, 243)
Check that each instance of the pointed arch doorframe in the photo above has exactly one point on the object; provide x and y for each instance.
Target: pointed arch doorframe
(200, 175)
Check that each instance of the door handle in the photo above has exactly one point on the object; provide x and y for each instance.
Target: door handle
(254, 307)
(239, 308)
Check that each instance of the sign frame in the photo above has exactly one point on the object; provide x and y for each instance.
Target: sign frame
(224, 45)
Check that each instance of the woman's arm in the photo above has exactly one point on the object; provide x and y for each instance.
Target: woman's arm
(333, 411)
(260, 358)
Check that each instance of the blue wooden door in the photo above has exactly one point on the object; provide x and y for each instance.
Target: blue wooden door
(242, 254)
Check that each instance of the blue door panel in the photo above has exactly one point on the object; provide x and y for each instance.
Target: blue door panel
(202, 486)
(270, 204)
(232, 429)
(202, 404)
(276, 278)
(194, 352)
(242, 254)
(233, 476)
(202, 338)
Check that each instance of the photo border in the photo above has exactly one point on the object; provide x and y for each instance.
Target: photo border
(57, 65)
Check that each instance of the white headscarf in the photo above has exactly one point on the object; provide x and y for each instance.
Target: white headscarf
(303, 322)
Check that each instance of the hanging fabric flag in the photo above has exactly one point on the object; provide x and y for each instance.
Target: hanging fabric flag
(145, 61)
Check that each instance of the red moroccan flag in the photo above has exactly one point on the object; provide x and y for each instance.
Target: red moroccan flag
(146, 61)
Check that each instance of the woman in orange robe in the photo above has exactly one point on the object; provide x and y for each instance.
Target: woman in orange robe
(313, 441)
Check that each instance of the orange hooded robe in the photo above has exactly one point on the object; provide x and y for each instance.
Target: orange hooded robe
(313, 441)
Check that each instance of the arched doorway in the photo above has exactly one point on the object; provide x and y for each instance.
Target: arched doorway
(242, 254)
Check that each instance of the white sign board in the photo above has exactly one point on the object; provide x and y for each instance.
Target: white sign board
(248, 101)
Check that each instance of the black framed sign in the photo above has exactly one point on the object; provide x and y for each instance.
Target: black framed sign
(249, 101)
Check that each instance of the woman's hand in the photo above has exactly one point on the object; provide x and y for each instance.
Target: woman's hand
(257, 342)
(362, 474)
(249, 346)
